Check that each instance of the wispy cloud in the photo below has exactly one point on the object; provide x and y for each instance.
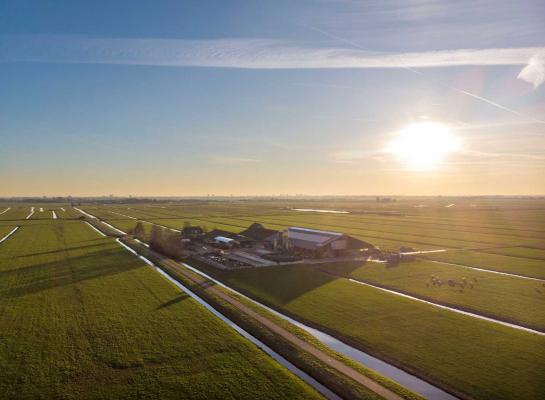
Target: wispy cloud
(243, 53)
(233, 161)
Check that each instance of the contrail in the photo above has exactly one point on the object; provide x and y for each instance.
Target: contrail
(455, 89)
(497, 105)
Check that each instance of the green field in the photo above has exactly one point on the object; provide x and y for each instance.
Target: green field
(14, 213)
(445, 347)
(526, 252)
(80, 317)
(4, 230)
(495, 262)
(475, 358)
(520, 301)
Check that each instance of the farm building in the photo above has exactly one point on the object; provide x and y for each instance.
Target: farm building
(270, 238)
(322, 244)
(242, 240)
(226, 242)
(192, 232)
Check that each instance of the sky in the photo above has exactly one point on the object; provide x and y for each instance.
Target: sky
(324, 97)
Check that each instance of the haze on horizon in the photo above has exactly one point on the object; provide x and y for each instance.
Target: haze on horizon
(265, 98)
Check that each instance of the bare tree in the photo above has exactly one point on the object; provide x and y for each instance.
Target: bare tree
(156, 238)
(166, 242)
(139, 231)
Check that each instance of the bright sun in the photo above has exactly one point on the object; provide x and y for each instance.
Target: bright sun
(422, 146)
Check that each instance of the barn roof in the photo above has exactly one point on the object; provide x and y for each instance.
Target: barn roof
(311, 238)
(258, 232)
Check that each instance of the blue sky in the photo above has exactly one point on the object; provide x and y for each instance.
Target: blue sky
(191, 98)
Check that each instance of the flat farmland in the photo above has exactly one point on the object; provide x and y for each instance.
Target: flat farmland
(470, 356)
(80, 317)
(421, 231)
(122, 220)
(5, 229)
(520, 251)
(411, 229)
(14, 213)
(495, 262)
(445, 347)
(381, 239)
(415, 234)
(515, 300)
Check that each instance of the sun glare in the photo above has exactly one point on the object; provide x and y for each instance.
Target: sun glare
(422, 146)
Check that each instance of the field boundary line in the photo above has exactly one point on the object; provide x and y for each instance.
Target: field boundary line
(113, 227)
(486, 270)
(94, 228)
(5, 211)
(123, 215)
(102, 221)
(153, 223)
(31, 213)
(85, 213)
(9, 234)
(453, 309)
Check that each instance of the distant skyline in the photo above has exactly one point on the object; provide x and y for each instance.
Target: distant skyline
(189, 98)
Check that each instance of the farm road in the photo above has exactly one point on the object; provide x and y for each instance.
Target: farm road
(271, 325)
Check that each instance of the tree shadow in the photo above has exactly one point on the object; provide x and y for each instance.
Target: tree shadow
(62, 250)
(44, 276)
(175, 300)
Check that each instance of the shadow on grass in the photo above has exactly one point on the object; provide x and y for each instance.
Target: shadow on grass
(175, 300)
(39, 277)
(63, 250)
(283, 283)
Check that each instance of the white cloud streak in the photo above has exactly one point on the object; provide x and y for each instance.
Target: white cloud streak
(233, 161)
(244, 53)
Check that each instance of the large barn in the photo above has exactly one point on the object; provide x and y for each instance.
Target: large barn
(323, 244)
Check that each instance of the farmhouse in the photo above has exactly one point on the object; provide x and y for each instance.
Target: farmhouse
(270, 238)
(315, 243)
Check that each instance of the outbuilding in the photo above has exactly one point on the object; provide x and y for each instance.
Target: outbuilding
(323, 244)
(225, 242)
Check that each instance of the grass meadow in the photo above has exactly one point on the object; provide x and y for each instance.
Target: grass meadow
(495, 262)
(472, 357)
(80, 317)
(515, 300)
(445, 347)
